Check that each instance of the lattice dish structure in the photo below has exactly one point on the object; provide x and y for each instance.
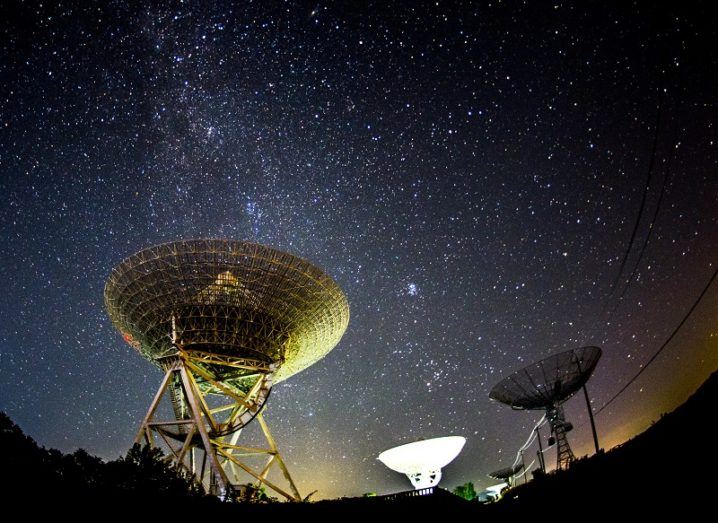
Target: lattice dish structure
(225, 320)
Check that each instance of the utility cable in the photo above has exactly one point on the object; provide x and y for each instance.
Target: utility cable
(663, 346)
(645, 193)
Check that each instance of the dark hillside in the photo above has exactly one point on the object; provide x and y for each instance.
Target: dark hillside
(666, 469)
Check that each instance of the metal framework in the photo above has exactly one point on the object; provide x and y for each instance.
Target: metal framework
(213, 431)
(546, 385)
(224, 320)
(559, 428)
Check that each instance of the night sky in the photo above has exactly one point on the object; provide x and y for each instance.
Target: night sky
(470, 175)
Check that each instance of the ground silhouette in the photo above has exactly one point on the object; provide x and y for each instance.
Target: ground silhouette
(665, 470)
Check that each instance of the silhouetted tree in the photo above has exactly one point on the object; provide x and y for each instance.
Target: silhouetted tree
(144, 470)
(466, 491)
(250, 493)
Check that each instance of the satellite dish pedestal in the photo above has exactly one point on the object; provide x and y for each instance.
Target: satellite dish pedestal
(196, 426)
(557, 421)
(425, 479)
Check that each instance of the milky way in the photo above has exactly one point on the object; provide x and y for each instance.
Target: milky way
(470, 175)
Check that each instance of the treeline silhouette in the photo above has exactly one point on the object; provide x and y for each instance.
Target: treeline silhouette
(35, 474)
(666, 469)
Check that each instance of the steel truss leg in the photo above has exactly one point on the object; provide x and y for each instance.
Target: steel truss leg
(196, 430)
(564, 454)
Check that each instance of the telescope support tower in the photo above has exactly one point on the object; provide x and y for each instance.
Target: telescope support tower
(558, 428)
(211, 433)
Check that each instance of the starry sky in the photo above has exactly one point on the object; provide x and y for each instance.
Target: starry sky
(469, 173)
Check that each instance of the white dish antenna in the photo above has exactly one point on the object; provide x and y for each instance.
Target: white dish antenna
(423, 460)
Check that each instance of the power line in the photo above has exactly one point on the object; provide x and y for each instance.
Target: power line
(607, 306)
(645, 193)
(667, 179)
(665, 344)
(647, 239)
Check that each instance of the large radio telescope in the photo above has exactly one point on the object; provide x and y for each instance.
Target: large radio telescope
(423, 460)
(224, 320)
(546, 385)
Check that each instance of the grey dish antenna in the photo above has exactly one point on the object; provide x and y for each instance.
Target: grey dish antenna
(546, 385)
(507, 474)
